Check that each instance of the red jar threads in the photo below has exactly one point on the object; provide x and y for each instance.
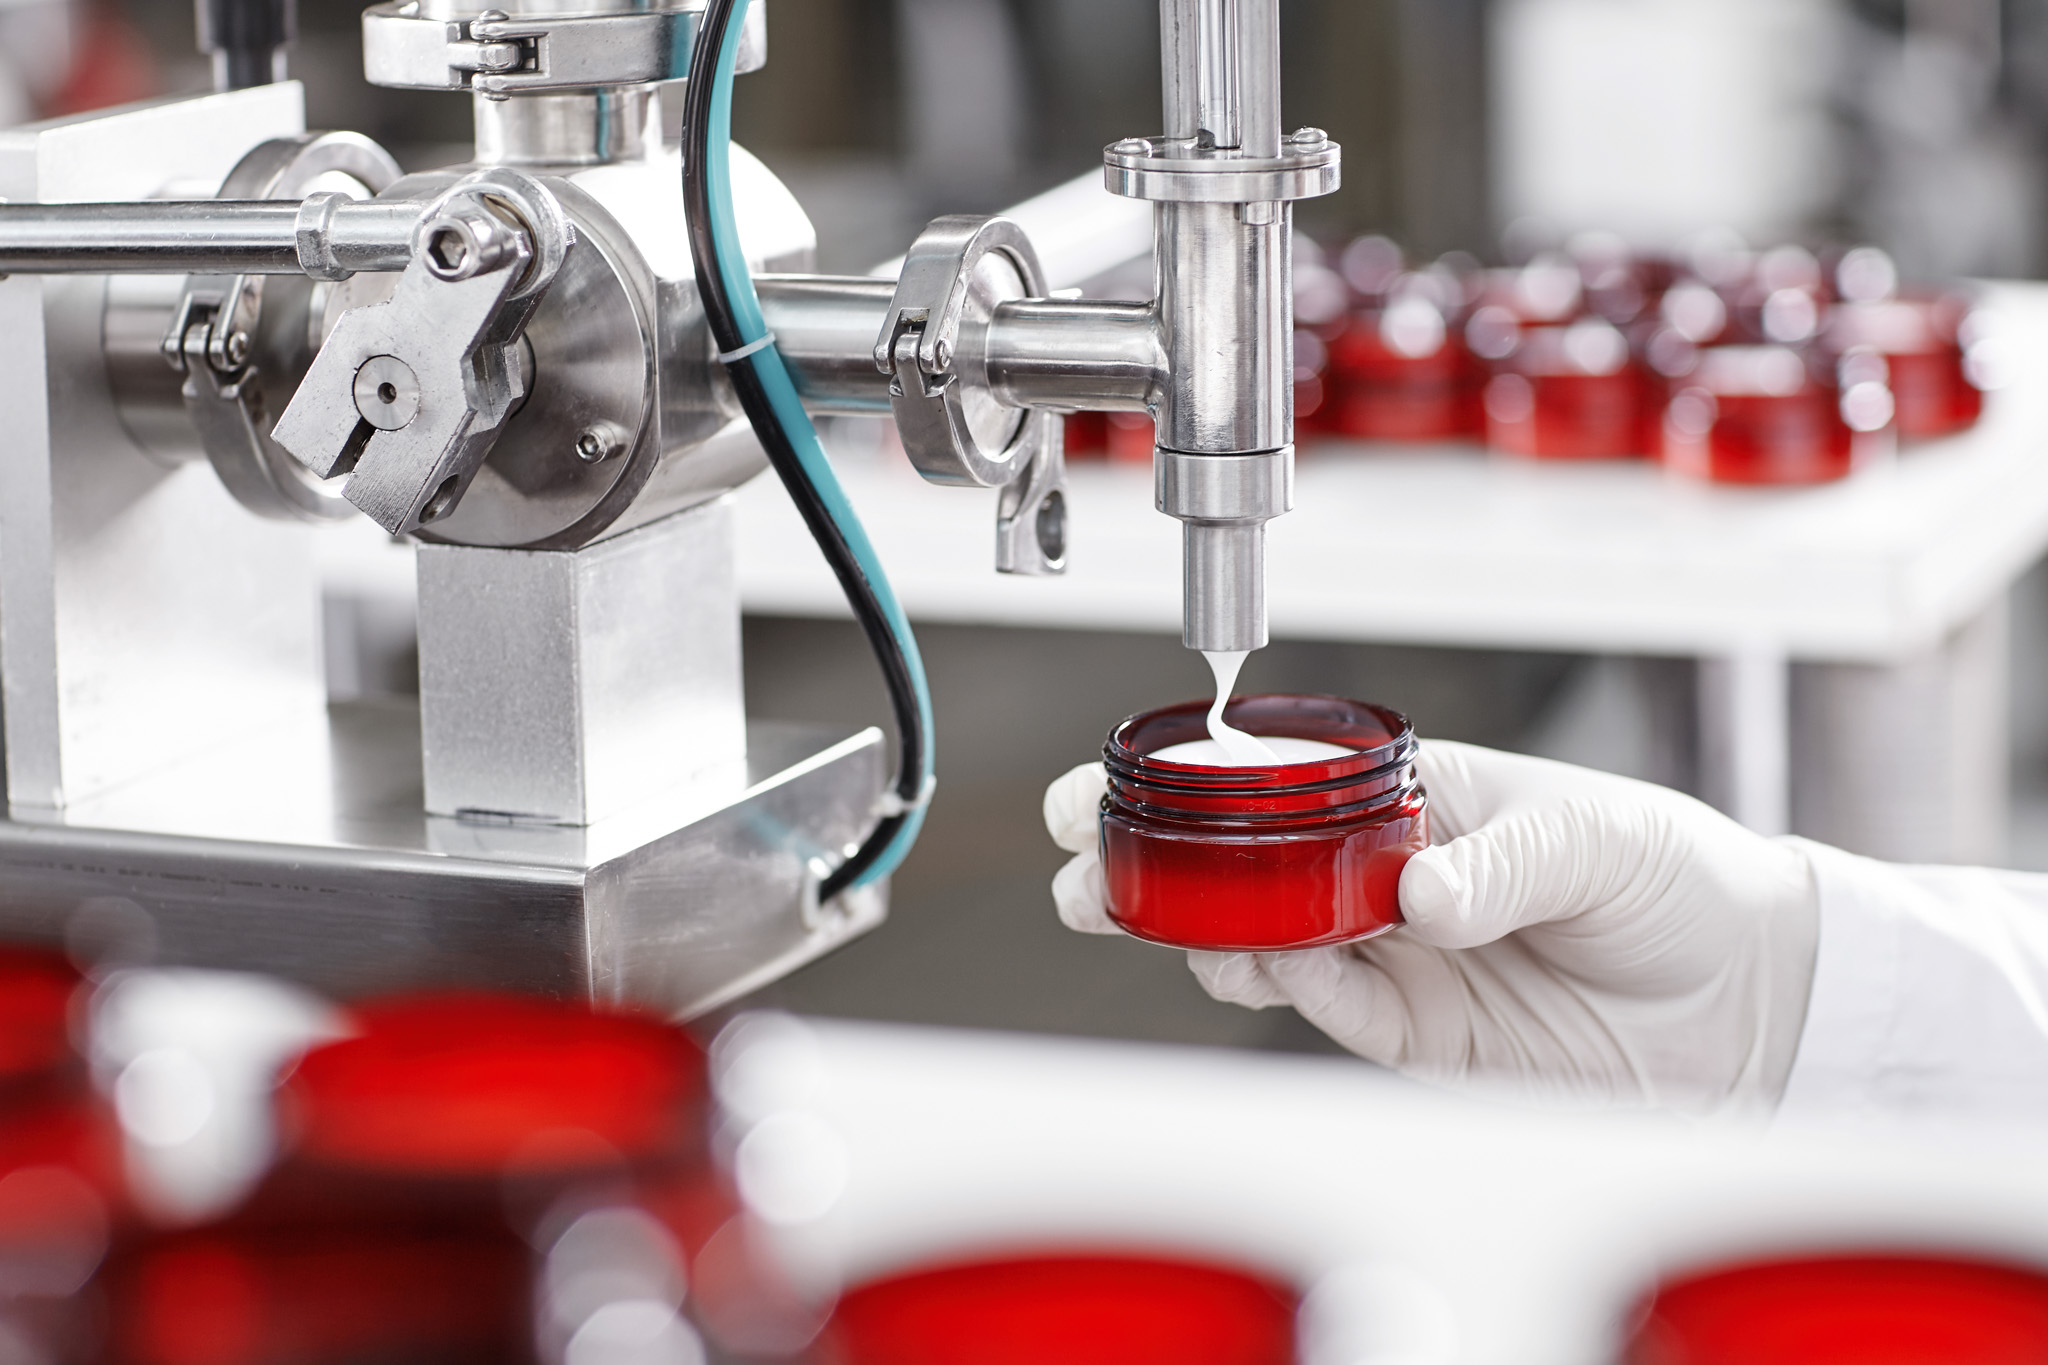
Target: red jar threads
(1297, 855)
(1086, 1309)
(1847, 1310)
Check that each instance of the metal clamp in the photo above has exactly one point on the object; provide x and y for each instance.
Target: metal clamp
(408, 395)
(237, 361)
(1309, 165)
(933, 347)
(953, 277)
(498, 56)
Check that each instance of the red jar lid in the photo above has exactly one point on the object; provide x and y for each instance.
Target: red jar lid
(474, 1084)
(1848, 1310)
(1075, 1310)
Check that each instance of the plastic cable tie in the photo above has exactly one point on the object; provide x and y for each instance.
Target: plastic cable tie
(762, 343)
(894, 805)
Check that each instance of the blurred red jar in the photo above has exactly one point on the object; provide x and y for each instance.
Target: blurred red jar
(463, 1084)
(1074, 1310)
(250, 1297)
(1847, 1310)
(1562, 393)
(1295, 855)
(1766, 415)
(1400, 373)
(1920, 342)
(36, 994)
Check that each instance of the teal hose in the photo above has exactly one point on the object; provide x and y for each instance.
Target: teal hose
(796, 429)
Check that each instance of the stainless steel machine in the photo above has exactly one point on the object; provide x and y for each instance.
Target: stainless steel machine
(221, 331)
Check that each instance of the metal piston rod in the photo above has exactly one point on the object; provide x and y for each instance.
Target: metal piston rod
(328, 236)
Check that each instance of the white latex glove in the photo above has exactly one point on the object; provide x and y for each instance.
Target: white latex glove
(1571, 935)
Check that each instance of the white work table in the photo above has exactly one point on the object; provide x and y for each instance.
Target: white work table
(1451, 545)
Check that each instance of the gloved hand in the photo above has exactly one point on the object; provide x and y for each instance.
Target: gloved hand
(1570, 935)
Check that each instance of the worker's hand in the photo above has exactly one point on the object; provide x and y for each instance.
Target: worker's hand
(1571, 934)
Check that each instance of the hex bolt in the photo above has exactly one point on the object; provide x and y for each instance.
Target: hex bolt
(465, 239)
(448, 249)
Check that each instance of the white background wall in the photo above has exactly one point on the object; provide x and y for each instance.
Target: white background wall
(1656, 118)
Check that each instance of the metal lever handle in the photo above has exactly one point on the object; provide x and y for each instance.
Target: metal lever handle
(408, 396)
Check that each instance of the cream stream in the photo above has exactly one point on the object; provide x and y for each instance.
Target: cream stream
(1240, 749)
(1230, 747)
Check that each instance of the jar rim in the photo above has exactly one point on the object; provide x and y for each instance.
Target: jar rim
(1387, 735)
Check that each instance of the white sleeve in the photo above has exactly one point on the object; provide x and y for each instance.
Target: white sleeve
(1930, 994)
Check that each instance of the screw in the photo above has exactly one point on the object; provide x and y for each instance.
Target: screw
(942, 353)
(450, 250)
(1133, 146)
(237, 348)
(597, 442)
(1308, 137)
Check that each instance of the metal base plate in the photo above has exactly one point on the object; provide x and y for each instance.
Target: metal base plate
(309, 856)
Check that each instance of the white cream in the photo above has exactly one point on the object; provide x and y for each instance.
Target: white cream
(1208, 753)
(1245, 751)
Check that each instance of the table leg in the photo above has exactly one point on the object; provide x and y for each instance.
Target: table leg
(1908, 760)
(1745, 736)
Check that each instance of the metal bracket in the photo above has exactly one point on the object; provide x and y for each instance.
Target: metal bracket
(498, 56)
(408, 395)
(1031, 512)
(234, 359)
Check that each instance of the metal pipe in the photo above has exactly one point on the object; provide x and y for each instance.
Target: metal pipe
(1075, 355)
(1226, 321)
(202, 237)
(1258, 77)
(1180, 67)
(1079, 355)
(825, 327)
(1225, 313)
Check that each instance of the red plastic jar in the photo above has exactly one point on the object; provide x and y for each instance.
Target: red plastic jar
(1847, 1310)
(475, 1085)
(331, 1297)
(1402, 373)
(1296, 855)
(1563, 393)
(1086, 1309)
(1920, 341)
(1760, 415)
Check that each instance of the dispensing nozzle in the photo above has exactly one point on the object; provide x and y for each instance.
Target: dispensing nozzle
(1224, 502)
